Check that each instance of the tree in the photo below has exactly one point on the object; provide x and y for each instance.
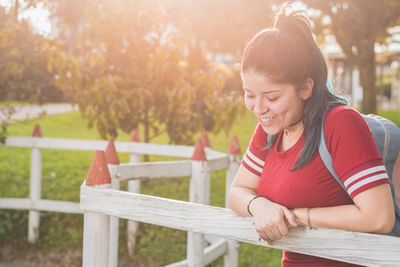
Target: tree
(23, 66)
(357, 26)
(222, 26)
(133, 67)
(26, 4)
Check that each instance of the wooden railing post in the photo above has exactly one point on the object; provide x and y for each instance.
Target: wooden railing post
(198, 193)
(113, 160)
(134, 187)
(96, 226)
(231, 257)
(35, 185)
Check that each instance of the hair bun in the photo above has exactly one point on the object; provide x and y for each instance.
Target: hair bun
(282, 18)
(288, 19)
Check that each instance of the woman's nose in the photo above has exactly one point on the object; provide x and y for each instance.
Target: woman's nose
(260, 107)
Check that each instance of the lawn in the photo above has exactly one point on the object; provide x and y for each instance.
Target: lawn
(64, 171)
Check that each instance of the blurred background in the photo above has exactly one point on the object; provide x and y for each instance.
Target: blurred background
(123, 62)
(170, 69)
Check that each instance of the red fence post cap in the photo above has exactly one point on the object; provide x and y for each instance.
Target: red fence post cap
(98, 173)
(234, 146)
(37, 132)
(111, 153)
(206, 141)
(135, 136)
(199, 153)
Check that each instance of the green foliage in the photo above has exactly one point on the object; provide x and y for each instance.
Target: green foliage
(6, 112)
(142, 70)
(23, 66)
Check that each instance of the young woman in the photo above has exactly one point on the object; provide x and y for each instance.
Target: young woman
(282, 181)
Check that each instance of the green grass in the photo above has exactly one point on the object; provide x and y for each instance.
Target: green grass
(63, 172)
(393, 115)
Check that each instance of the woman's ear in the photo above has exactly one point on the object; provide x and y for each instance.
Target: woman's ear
(306, 91)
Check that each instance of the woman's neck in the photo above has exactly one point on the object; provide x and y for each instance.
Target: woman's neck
(294, 127)
(290, 135)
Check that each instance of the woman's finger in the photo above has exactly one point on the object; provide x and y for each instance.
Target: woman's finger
(283, 229)
(290, 217)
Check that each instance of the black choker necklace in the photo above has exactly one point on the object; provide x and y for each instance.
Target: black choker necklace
(293, 124)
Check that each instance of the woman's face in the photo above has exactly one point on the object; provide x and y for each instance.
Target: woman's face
(277, 106)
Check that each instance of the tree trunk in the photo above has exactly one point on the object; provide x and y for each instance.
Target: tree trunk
(16, 10)
(367, 68)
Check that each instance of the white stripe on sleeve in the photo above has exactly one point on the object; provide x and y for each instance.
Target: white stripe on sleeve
(364, 173)
(367, 181)
(252, 165)
(254, 157)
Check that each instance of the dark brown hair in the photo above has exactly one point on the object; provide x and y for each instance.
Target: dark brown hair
(287, 53)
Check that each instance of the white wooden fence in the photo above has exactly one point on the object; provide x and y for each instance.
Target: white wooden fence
(132, 172)
(100, 202)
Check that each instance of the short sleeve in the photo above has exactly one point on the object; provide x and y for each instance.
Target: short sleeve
(355, 156)
(254, 157)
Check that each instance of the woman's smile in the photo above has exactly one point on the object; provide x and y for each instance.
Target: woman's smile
(266, 121)
(276, 105)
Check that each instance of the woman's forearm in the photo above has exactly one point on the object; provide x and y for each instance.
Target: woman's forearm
(238, 199)
(346, 217)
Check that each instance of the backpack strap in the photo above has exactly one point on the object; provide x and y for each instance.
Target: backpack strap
(387, 135)
(327, 160)
(326, 156)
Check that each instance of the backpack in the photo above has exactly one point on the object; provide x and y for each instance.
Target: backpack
(387, 138)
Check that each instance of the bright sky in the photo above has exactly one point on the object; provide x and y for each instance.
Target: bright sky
(39, 17)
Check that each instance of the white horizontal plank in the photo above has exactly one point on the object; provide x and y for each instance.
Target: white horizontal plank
(359, 248)
(91, 145)
(123, 147)
(15, 203)
(211, 253)
(152, 170)
(56, 143)
(155, 149)
(211, 238)
(218, 163)
(183, 263)
(214, 251)
(40, 205)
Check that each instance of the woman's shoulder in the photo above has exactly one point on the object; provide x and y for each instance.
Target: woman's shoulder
(342, 114)
(345, 121)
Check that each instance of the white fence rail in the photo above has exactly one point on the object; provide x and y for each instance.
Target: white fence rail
(359, 248)
(123, 147)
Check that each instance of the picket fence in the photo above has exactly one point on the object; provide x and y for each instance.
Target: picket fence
(132, 172)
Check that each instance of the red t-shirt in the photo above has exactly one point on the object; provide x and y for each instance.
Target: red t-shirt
(355, 157)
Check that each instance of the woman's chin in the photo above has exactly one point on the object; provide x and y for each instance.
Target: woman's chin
(270, 130)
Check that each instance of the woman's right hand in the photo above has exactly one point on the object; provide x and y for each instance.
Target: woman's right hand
(271, 220)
